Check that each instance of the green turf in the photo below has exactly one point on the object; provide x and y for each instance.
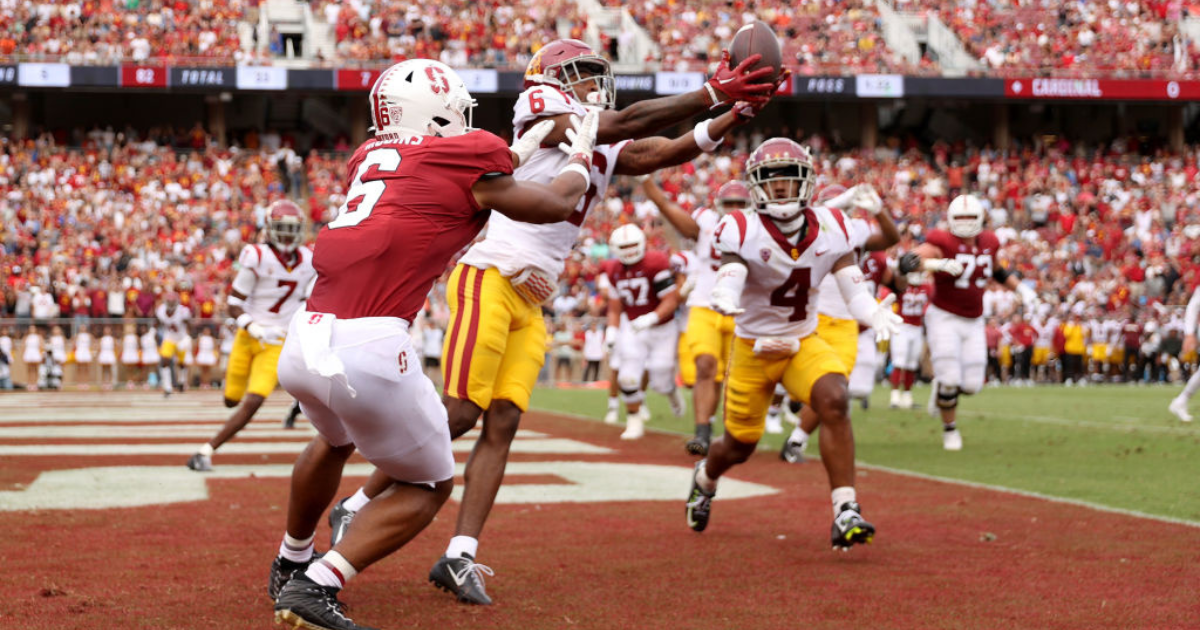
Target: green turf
(1112, 445)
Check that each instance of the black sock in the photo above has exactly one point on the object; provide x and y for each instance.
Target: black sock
(950, 427)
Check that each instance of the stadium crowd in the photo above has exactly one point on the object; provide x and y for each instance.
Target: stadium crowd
(103, 229)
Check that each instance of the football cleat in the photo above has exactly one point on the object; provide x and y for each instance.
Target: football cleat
(282, 571)
(339, 522)
(290, 421)
(635, 424)
(850, 529)
(612, 417)
(793, 451)
(304, 604)
(200, 463)
(698, 445)
(1180, 409)
(463, 578)
(952, 440)
(699, 502)
(774, 423)
(678, 403)
(896, 399)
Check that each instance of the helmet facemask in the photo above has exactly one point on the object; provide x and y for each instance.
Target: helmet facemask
(577, 71)
(284, 233)
(786, 209)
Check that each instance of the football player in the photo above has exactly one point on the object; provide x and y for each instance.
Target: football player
(771, 262)
(417, 194)
(962, 260)
(172, 321)
(271, 284)
(909, 343)
(710, 334)
(642, 307)
(1179, 405)
(835, 324)
(490, 364)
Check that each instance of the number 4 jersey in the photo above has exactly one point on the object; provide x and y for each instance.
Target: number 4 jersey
(781, 288)
(275, 290)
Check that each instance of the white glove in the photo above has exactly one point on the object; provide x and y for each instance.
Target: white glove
(610, 337)
(724, 302)
(266, 334)
(866, 198)
(883, 321)
(531, 141)
(645, 322)
(1029, 297)
(776, 347)
(844, 200)
(688, 286)
(944, 265)
(582, 136)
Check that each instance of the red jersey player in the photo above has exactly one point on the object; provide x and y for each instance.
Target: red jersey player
(962, 261)
(642, 304)
(909, 342)
(417, 194)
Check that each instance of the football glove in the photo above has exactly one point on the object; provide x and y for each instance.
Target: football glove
(883, 320)
(944, 265)
(582, 137)
(776, 347)
(645, 322)
(739, 84)
(531, 140)
(725, 302)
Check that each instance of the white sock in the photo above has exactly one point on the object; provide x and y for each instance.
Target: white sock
(844, 494)
(331, 570)
(295, 549)
(206, 450)
(798, 435)
(462, 546)
(1193, 384)
(773, 410)
(357, 501)
(164, 375)
(614, 403)
(704, 481)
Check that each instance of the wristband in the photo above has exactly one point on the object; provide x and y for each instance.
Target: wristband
(703, 140)
(244, 320)
(576, 167)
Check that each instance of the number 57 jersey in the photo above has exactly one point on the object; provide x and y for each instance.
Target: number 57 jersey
(780, 296)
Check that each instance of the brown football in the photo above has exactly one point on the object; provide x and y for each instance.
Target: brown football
(756, 38)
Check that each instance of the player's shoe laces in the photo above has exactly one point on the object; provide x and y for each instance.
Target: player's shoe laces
(849, 528)
(678, 403)
(1179, 407)
(793, 450)
(199, 463)
(304, 604)
(698, 445)
(952, 440)
(463, 578)
(339, 522)
(699, 502)
(282, 572)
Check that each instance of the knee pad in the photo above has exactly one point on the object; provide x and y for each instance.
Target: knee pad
(947, 396)
(631, 396)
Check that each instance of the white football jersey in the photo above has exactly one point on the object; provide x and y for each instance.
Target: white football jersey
(781, 288)
(511, 245)
(273, 291)
(829, 297)
(173, 324)
(708, 259)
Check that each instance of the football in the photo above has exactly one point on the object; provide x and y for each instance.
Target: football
(757, 38)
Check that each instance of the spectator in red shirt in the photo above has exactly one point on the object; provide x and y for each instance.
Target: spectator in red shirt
(1023, 336)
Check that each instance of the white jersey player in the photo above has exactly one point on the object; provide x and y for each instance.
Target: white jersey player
(772, 262)
(172, 321)
(1179, 405)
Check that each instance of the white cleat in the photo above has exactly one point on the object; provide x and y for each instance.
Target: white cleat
(678, 403)
(1179, 408)
(790, 417)
(775, 424)
(952, 440)
(906, 401)
(635, 425)
(897, 398)
(612, 417)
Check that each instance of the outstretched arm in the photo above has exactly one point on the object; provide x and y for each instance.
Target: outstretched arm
(650, 154)
(671, 211)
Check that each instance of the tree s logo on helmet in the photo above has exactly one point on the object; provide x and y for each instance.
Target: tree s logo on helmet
(437, 80)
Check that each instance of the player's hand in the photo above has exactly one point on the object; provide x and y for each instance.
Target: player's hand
(866, 198)
(883, 321)
(909, 263)
(610, 338)
(531, 140)
(724, 302)
(1189, 344)
(740, 84)
(257, 331)
(944, 265)
(645, 322)
(582, 136)
(745, 111)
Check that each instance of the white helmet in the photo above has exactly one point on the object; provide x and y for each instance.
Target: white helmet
(630, 244)
(965, 216)
(420, 97)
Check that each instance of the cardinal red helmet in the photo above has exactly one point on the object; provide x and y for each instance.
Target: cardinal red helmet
(565, 63)
(780, 159)
(285, 225)
(731, 193)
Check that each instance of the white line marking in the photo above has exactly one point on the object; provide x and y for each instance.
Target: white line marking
(1091, 424)
(554, 445)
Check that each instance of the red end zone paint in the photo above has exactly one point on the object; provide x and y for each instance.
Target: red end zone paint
(763, 563)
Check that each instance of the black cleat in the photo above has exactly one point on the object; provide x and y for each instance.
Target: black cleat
(290, 421)
(463, 578)
(200, 463)
(698, 445)
(339, 522)
(850, 529)
(283, 570)
(699, 503)
(306, 605)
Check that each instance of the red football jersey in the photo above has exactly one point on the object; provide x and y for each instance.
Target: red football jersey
(913, 303)
(963, 295)
(642, 286)
(409, 209)
(873, 265)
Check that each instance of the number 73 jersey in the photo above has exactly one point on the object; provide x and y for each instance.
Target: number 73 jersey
(780, 296)
(277, 290)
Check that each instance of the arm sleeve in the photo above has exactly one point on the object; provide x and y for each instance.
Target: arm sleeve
(1192, 313)
(663, 283)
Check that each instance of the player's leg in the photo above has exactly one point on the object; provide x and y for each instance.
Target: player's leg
(707, 345)
(166, 359)
(946, 339)
(862, 377)
(842, 336)
(662, 365)
(613, 412)
(633, 348)
(1179, 404)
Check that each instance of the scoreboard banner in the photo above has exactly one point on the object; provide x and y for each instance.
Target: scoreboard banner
(211, 78)
(144, 76)
(1102, 89)
(8, 75)
(44, 75)
(358, 80)
(262, 78)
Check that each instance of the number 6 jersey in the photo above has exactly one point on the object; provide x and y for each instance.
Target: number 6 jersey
(780, 296)
(273, 290)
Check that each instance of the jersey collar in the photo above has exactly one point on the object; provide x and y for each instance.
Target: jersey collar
(296, 255)
(811, 229)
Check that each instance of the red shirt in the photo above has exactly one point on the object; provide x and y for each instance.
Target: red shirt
(384, 264)
(963, 295)
(642, 285)
(914, 302)
(1023, 334)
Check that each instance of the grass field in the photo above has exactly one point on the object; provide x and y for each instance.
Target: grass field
(1114, 446)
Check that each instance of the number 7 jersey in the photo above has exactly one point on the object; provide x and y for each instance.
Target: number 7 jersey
(278, 290)
(780, 296)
